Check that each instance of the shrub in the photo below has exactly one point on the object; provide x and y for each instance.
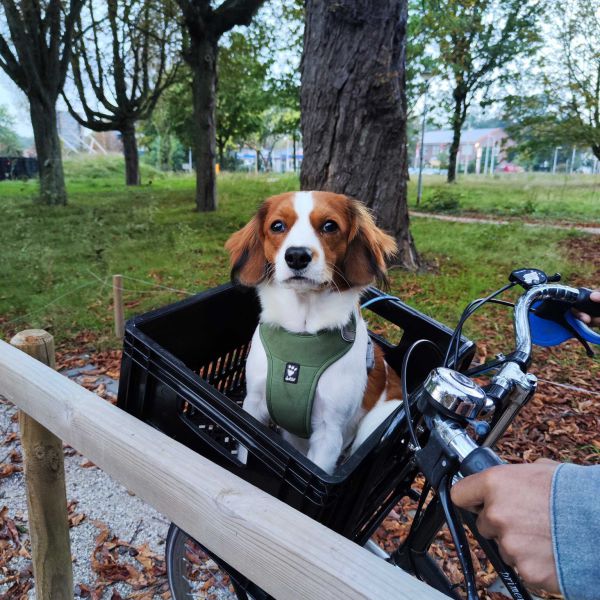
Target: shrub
(112, 166)
(530, 206)
(444, 200)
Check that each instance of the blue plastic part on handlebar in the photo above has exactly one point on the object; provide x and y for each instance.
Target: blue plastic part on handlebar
(546, 332)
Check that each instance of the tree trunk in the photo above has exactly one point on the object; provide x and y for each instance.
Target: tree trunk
(458, 120)
(269, 160)
(294, 149)
(259, 161)
(203, 61)
(130, 152)
(596, 150)
(354, 108)
(48, 150)
(221, 150)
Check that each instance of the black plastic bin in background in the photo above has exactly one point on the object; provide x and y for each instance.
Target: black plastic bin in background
(183, 372)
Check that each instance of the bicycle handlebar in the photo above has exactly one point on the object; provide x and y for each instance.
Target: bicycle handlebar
(449, 400)
(513, 387)
(561, 293)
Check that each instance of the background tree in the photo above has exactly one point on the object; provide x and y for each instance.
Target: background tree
(274, 124)
(258, 77)
(122, 62)
(10, 144)
(354, 108)
(286, 43)
(535, 127)
(475, 44)
(174, 113)
(35, 49)
(204, 26)
(564, 108)
(242, 96)
(163, 147)
(419, 61)
(288, 125)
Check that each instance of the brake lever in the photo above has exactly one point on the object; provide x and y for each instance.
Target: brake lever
(582, 333)
(509, 578)
(439, 463)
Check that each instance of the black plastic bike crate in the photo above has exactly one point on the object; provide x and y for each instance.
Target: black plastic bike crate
(183, 372)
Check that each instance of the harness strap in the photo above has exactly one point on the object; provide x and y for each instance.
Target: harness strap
(295, 362)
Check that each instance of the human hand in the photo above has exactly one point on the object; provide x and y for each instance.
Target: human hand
(513, 504)
(595, 321)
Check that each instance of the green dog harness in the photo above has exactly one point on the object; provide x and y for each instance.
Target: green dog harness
(296, 361)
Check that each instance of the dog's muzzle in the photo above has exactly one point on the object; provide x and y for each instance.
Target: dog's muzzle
(298, 257)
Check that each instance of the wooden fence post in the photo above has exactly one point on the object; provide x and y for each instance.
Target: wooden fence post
(46, 492)
(119, 309)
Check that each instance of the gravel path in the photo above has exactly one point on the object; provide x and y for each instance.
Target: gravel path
(98, 497)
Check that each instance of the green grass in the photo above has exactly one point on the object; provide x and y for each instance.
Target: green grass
(473, 260)
(66, 255)
(534, 196)
(56, 262)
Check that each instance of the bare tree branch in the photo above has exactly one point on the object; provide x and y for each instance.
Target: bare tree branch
(24, 46)
(70, 20)
(128, 64)
(132, 101)
(9, 64)
(234, 12)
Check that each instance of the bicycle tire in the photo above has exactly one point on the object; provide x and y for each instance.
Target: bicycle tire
(181, 586)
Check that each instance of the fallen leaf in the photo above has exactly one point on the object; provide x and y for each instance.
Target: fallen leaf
(6, 470)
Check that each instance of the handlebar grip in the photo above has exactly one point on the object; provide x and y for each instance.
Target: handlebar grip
(584, 304)
(479, 460)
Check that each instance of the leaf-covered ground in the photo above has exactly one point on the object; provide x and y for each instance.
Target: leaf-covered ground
(152, 235)
(562, 422)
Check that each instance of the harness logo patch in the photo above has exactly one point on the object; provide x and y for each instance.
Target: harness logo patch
(292, 372)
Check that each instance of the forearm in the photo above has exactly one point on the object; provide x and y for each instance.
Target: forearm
(575, 523)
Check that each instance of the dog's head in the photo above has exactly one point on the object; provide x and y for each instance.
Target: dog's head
(308, 241)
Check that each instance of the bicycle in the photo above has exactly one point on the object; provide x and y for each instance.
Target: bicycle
(445, 427)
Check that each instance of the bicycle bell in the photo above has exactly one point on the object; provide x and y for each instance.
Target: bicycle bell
(452, 394)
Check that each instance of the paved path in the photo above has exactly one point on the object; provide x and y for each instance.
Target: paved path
(459, 219)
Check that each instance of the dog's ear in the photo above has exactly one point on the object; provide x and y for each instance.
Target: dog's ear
(368, 249)
(246, 252)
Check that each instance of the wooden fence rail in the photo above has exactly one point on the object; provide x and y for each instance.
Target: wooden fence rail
(283, 551)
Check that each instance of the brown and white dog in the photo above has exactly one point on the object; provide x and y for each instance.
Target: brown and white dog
(309, 255)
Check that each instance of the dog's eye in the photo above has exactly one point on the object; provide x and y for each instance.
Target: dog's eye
(329, 227)
(278, 226)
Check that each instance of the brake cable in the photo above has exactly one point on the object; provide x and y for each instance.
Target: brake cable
(459, 537)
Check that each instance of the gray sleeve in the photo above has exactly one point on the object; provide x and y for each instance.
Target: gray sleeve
(575, 523)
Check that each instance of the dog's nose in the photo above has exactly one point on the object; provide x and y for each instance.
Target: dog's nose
(298, 257)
